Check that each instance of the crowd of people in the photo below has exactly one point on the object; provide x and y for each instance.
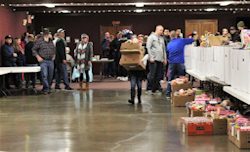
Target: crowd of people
(164, 50)
(51, 54)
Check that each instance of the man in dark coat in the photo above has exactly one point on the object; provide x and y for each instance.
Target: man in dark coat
(60, 61)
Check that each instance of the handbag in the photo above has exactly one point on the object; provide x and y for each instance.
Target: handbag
(76, 73)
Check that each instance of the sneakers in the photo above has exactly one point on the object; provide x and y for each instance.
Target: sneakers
(168, 97)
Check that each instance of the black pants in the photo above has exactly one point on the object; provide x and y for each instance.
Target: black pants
(15, 79)
(87, 76)
(155, 74)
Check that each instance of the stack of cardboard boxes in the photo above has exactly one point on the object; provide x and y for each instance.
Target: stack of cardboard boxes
(181, 85)
(132, 56)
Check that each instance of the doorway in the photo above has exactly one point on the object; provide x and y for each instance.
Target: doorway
(210, 25)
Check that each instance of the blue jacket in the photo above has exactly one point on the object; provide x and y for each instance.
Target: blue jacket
(175, 49)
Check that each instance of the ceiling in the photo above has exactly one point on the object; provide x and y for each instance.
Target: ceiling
(128, 6)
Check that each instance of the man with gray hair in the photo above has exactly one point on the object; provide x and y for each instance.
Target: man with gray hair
(157, 56)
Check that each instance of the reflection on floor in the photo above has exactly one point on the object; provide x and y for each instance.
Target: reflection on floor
(97, 121)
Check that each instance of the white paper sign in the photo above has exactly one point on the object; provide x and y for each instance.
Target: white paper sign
(238, 134)
(183, 128)
(68, 39)
(76, 40)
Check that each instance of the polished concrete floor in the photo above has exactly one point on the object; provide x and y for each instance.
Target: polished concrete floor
(97, 121)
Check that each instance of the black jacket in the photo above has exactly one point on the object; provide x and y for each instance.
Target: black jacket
(235, 37)
(30, 59)
(60, 51)
(8, 59)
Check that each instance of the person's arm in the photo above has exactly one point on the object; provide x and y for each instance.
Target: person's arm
(149, 46)
(35, 49)
(188, 41)
(91, 54)
(164, 54)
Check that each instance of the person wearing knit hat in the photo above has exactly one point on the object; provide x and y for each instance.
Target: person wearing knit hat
(241, 25)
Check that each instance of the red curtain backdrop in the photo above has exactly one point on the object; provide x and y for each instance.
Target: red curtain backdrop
(11, 23)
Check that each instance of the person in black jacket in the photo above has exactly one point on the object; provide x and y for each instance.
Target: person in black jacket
(30, 61)
(235, 36)
(9, 60)
(61, 62)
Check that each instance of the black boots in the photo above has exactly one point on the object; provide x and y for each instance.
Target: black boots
(132, 100)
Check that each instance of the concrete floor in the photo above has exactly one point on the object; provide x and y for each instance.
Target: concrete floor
(98, 121)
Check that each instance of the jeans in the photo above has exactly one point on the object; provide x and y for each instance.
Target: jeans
(175, 70)
(155, 73)
(30, 77)
(134, 80)
(61, 74)
(47, 70)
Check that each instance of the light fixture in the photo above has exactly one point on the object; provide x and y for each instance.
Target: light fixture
(138, 10)
(139, 4)
(64, 11)
(226, 3)
(49, 5)
(210, 9)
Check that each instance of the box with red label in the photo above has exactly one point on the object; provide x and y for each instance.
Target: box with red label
(197, 126)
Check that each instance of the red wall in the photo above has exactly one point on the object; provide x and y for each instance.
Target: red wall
(11, 23)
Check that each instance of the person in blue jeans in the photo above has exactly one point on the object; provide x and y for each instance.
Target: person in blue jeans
(44, 51)
(136, 78)
(175, 53)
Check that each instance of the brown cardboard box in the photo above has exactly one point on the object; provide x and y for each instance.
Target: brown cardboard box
(180, 101)
(196, 113)
(242, 139)
(178, 87)
(216, 40)
(132, 62)
(132, 55)
(220, 126)
(128, 46)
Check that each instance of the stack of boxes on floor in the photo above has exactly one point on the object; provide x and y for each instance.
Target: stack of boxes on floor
(209, 116)
(182, 92)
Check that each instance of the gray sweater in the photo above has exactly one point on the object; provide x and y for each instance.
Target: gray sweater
(156, 47)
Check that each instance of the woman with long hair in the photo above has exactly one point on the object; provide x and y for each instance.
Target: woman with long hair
(83, 55)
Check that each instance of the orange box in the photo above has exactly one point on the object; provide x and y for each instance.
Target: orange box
(197, 129)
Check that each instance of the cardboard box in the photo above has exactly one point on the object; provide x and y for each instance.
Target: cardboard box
(180, 101)
(242, 139)
(195, 113)
(220, 126)
(128, 46)
(197, 129)
(131, 67)
(183, 86)
(132, 55)
(132, 62)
